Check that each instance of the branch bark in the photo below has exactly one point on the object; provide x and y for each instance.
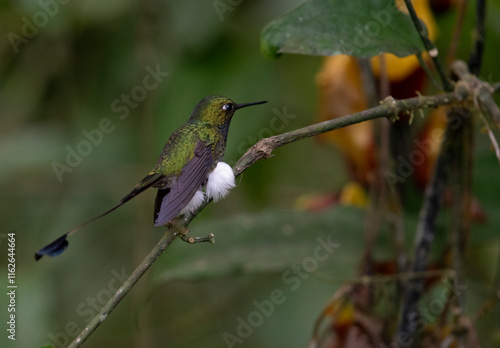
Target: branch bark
(388, 108)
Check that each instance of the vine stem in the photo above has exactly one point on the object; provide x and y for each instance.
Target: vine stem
(429, 46)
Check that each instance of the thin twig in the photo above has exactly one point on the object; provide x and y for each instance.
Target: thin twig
(386, 278)
(377, 198)
(337, 296)
(429, 46)
(493, 134)
(368, 81)
(389, 108)
(476, 57)
(496, 87)
(425, 235)
(457, 31)
(460, 186)
(396, 223)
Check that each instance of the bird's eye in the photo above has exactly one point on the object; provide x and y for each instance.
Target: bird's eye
(228, 107)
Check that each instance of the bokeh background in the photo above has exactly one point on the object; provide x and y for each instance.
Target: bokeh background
(64, 80)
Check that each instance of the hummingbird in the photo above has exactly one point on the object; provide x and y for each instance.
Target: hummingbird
(189, 168)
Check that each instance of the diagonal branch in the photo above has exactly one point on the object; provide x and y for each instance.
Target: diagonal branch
(164, 242)
(261, 150)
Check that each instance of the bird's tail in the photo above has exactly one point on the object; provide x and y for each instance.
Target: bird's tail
(60, 244)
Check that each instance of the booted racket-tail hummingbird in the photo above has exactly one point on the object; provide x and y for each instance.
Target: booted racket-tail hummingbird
(189, 169)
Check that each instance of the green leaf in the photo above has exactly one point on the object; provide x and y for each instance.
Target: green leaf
(354, 27)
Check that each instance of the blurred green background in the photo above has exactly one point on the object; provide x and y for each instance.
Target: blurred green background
(65, 79)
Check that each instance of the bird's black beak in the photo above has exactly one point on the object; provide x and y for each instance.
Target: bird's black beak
(239, 106)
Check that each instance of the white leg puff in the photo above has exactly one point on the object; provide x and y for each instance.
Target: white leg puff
(220, 181)
(194, 203)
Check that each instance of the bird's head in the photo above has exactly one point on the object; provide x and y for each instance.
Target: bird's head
(217, 110)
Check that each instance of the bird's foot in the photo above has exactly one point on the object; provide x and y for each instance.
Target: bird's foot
(182, 232)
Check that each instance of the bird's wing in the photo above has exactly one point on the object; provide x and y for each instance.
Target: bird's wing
(61, 243)
(171, 200)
